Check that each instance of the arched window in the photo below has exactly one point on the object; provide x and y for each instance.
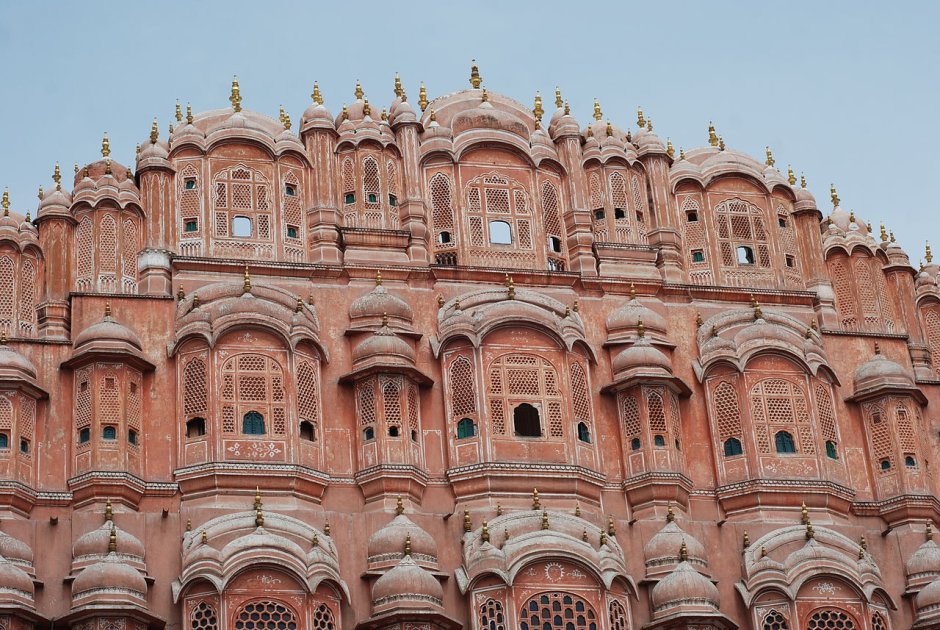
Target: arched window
(307, 431)
(659, 440)
(525, 420)
(635, 444)
(617, 615)
(499, 213)
(253, 383)
(242, 207)
(203, 617)
(878, 622)
(557, 611)
(727, 411)
(491, 615)
(515, 379)
(745, 255)
(500, 233)
(774, 620)
(84, 437)
(885, 464)
(733, 447)
(831, 451)
(910, 462)
(195, 427)
(783, 441)
(368, 434)
(323, 618)
(779, 404)
(584, 434)
(932, 331)
(265, 615)
(830, 618)
(253, 423)
(241, 227)
(466, 428)
(109, 433)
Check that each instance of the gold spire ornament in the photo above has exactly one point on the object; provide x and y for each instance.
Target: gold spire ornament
(803, 181)
(485, 534)
(791, 177)
(928, 255)
(577, 509)
(105, 146)
(544, 519)
(681, 153)
(770, 158)
(804, 514)
(5, 203)
(189, 114)
(179, 112)
(287, 122)
(929, 530)
(107, 313)
(327, 529)
(721, 143)
(154, 132)
(358, 92)
(610, 129)
(315, 96)
(833, 195)
(366, 108)
(536, 502)
(422, 97)
(537, 110)
(407, 549)
(485, 97)
(747, 539)
(669, 150)
(467, 523)
(112, 539)
(649, 125)
(499, 510)
(57, 177)
(640, 121)
(558, 102)
(712, 137)
(246, 284)
(884, 234)
(475, 79)
(236, 97)
(397, 85)
(205, 537)
(108, 511)
(345, 113)
(597, 111)
(259, 514)
(510, 288)
(280, 115)
(610, 526)
(603, 539)
(399, 506)
(670, 515)
(683, 552)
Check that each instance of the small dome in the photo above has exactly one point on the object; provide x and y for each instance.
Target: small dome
(108, 331)
(485, 116)
(928, 598)
(317, 116)
(649, 142)
(95, 543)
(628, 317)
(563, 124)
(13, 578)
(379, 302)
(14, 364)
(880, 372)
(15, 550)
(401, 112)
(388, 543)
(684, 586)
(847, 222)
(663, 548)
(54, 201)
(926, 560)
(384, 345)
(407, 585)
(109, 576)
(641, 354)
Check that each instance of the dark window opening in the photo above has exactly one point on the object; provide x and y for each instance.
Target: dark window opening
(791, 261)
(554, 244)
(372, 198)
(241, 227)
(132, 437)
(291, 231)
(831, 451)
(350, 198)
(784, 442)
(414, 436)
(24, 445)
(525, 421)
(109, 433)
(698, 256)
(620, 213)
(290, 190)
(191, 225)
(910, 462)
(253, 423)
(4, 441)
(584, 434)
(639, 217)
(659, 440)
(599, 214)
(733, 447)
(392, 200)
(189, 183)
(393, 431)
(678, 447)
(109, 383)
(466, 428)
(876, 418)
(443, 237)
(500, 233)
(84, 436)
(885, 464)
(368, 434)
(307, 431)
(635, 444)
(84, 386)
(132, 387)
(195, 427)
(745, 255)
(691, 217)
(781, 222)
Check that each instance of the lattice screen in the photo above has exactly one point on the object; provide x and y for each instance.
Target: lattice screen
(254, 382)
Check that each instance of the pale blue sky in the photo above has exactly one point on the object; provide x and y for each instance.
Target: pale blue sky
(845, 91)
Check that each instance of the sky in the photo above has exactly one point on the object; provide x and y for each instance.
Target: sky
(846, 92)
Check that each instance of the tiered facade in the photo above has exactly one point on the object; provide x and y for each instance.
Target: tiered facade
(454, 366)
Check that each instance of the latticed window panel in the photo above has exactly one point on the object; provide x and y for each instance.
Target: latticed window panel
(727, 411)
(349, 177)
(495, 197)
(867, 298)
(907, 438)
(825, 413)
(391, 177)
(551, 210)
(308, 393)
(932, 330)
(597, 193)
(84, 247)
(462, 395)
(878, 622)
(845, 294)
(195, 388)
(107, 245)
(365, 401)
(203, 617)
(109, 408)
(130, 246)
(323, 618)
(779, 404)
(618, 190)
(7, 294)
(27, 419)
(528, 379)
(498, 416)
(254, 383)
(83, 392)
(391, 402)
(887, 304)
(675, 422)
(656, 412)
(557, 611)
(617, 616)
(492, 616)
(881, 437)
(134, 402)
(6, 413)
(243, 192)
(442, 211)
(774, 620)
(630, 417)
(370, 182)
(413, 410)
(830, 619)
(28, 280)
(580, 399)
(265, 615)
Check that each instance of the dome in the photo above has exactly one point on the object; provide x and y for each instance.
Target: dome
(401, 112)
(379, 302)
(684, 586)
(54, 201)
(880, 372)
(628, 317)
(485, 116)
(13, 578)
(15, 550)
(647, 141)
(15, 365)
(110, 576)
(642, 354)
(929, 597)
(407, 585)
(108, 332)
(384, 345)
(847, 221)
(96, 543)
(926, 560)
(387, 543)
(661, 550)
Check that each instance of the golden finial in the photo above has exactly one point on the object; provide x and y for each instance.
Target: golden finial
(791, 177)
(884, 233)
(929, 530)
(299, 306)
(683, 552)
(310, 300)
(195, 301)
(558, 102)
(467, 524)
(536, 502)
(246, 284)
(567, 311)
(714, 332)
(758, 313)
(810, 534)
(804, 514)
(770, 158)
(698, 320)
(189, 114)
(808, 334)
(632, 291)
(170, 126)
(258, 503)
(814, 325)
(577, 509)
(851, 216)
(57, 177)
(189, 525)
(315, 541)
(378, 278)
(179, 112)
(544, 519)
(399, 506)
(640, 329)
(877, 348)
(433, 116)
(763, 551)
(205, 537)
(590, 132)
(105, 145)
(603, 538)
(584, 535)
(129, 174)
(681, 153)
(404, 96)
(802, 180)
(670, 515)
(485, 97)
(510, 288)
(721, 143)
(384, 115)
(833, 195)
(108, 510)
(344, 115)
(6, 203)
(440, 301)
(610, 526)
(107, 309)
(180, 294)
(499, 510)
(280, 115)
(649, 125)
(475, 79)
(3, 337)
(505, 534)
(928, 255)
(27, 217)
(422, 97)
(712, 137)
(457, 304)
(154, 132)
(397, 85)
(485, 535)
(327, 530)
(358, 92)
(384, 320)
(892, 236)
(671, 152)
(576, 307)
(861, 552)
(747, 539)
(76, 168)
(107, 167)
(112, 539)
(315, 96)
(863, 543)
(407, 549)
(610, 129)
(287, 122)
(366, 108)
(236, 97)
(597, 110)
(640, 121)
(567, 109)
(537, 110)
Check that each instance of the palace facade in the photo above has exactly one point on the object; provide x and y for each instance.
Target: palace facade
(460, 364)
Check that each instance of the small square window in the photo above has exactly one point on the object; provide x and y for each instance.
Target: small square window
(24, 446)
(84, 386)
(241, 227)
(290, 190)
(291, 231)
(698, 256)
(191, 225)
(373, 198)
(554, 244)
(109, 433)
(132, 437)
(598, 215)
(133, 388)
(109, 383)
(620, 213)
(189, 183)
(691, 217)
(350, 198)
(392, 200)
(782, 222)
(84, 435)
(791, 261)
(639, 217)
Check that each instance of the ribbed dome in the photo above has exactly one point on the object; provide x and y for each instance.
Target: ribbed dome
(847, 223)
(12, 363)
(641, 354)
(379, 302)
(389, 542)
(929, 597)
(684, 586)
(407, 586)
(663, 547)
(95, 543)
(628, 317)
(925, 560)
(108, 331)
(110, 575)
(384, 345)
(14, 578)
(400, 112)
(485, 116)
(880, 372)
(15, 549)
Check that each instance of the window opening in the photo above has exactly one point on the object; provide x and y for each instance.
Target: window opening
(132, 437)
(599, 215)
(24, 445)
(783, 440)
(620, 213)
(241, 227)
(444, 237)
(500, 233)
(253, 423)
(885, 464)
(350, 198)
(191, 225)
(635, 444)
(698, 256)
(466, 428)
(791, 261)
(291, 231)
(831, 452)
(691, 216)
(109, 433)
(745, 255)
(290, 190)
(584, 434)
(525, 420)
(392, 200)
(368, 434)
(554, 244)
(910, 462)
(733, 447)
(781, 222)
(84, 436)
(393, 431)
(190, 183)
(195, 427)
